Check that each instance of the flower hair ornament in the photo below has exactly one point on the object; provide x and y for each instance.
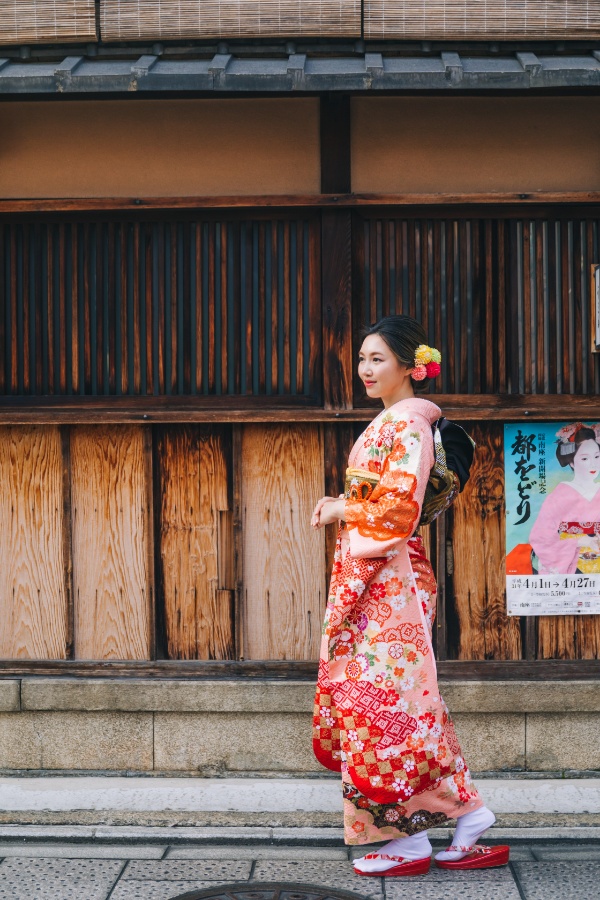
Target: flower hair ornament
(427, 362)
(566, 436)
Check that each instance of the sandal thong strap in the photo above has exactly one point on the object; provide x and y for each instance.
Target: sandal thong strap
(476, 848)
(396, 859)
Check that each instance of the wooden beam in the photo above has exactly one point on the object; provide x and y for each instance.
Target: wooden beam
(329, 199)
(461, 407)
(297, 670)
(335, 144)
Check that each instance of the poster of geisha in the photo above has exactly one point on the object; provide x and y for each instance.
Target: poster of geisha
(552, 473)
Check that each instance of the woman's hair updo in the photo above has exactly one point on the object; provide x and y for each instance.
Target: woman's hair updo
(403, 335)
(567, 450)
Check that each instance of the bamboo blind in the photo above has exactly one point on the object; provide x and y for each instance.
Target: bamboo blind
(41, 21)
(130, 19)
(481, 19)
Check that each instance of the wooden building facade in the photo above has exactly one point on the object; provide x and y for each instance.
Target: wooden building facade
(183, 279)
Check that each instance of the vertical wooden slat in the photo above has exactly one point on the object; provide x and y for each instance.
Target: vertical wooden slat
(261, 362)
(462, 333)
(76, 300)
(274, 324)
(110, 514)
(33, 588)
(478, 543)
(540, 306)
(563, 349)
(528, 305)
(286, 324)
(4, 255)
(299, 306)
(336, 291)
(283, 555)
(172, 276)
(122, 312)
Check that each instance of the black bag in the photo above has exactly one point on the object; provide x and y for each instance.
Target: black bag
(454, 450)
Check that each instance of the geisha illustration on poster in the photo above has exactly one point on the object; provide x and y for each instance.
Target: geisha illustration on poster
(552, 518)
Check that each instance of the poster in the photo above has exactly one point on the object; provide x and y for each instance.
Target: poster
(552, 473)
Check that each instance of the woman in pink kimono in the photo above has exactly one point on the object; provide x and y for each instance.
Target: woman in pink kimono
(379, 717)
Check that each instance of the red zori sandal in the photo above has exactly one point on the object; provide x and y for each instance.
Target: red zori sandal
(478, 857)
(403, 867)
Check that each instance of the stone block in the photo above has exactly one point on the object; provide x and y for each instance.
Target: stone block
(338, 875)
(563, 741)
(558, 880)
(10, 695)
(470, 890)
(214, 743)
(187, 870)
(63, 740)
(492, 742)
(167, 695)
(521, 696)
(77, 879)
(158, 890)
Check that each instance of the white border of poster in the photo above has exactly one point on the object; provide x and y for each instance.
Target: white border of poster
(552, 478)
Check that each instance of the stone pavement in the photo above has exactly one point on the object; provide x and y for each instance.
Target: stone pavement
(120, 863)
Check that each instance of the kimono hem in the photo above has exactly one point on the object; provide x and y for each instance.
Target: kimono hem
(379, 718)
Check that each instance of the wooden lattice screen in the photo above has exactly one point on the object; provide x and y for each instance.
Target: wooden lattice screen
(37, 21)
(481, 19)
(508, 298)
(199, 307)
(130, 19)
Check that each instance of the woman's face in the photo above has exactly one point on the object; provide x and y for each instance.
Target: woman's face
(379, 369)
(586, 463)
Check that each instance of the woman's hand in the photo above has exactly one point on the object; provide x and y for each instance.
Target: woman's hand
(328, 510)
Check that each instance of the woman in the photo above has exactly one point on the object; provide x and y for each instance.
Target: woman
(379, 718)
(566, 533)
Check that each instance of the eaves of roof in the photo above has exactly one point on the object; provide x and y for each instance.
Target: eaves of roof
(297, 72)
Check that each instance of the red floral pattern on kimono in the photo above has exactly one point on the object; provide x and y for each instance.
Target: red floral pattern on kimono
(379, 716)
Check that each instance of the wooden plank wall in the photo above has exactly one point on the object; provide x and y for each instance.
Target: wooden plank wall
(477, 555)
(33, 569)
(195, 545)
(284, 593)
(112, 542)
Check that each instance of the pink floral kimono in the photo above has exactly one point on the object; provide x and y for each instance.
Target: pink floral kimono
(379, 717)
(566, 515)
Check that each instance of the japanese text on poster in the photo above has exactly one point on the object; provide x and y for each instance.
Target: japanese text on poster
(552, 476)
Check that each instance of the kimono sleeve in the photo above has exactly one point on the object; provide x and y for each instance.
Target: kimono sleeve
(556, 556)
(379, 524)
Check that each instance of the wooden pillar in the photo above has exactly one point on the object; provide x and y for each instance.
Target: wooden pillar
(336, 254)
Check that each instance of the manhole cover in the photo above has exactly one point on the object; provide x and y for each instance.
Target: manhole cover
(270, 891)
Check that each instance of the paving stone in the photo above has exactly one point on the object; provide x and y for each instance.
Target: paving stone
(50, 879)
(275, 853)
(158, 890)
(558, 853)
(423, 889)
(83, 851)
(559, 880)
(185, 870)
(333, 874)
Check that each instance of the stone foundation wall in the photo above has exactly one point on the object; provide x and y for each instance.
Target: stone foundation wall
(215, 728)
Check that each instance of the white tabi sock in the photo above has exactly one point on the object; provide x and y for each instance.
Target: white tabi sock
(469, 829)
(416, 846)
